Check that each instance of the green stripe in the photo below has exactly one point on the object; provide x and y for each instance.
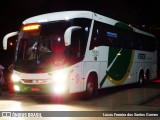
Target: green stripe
(119, 70)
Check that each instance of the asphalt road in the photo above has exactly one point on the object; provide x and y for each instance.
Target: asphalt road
(127, 99)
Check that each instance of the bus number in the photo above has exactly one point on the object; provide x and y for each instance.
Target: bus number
(141, 56)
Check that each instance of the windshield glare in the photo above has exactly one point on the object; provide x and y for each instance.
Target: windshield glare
(36, 46)
(46, 47)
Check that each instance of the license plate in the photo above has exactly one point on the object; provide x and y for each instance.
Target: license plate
(35, 89)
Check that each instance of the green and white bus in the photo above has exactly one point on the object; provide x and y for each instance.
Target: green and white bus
(80, 51)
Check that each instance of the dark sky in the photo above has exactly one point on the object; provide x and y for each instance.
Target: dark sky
(135, 12)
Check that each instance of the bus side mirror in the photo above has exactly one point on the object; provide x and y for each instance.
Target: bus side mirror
(68, 34)
(5, 39)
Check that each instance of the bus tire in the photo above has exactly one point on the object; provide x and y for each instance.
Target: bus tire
(141, 78)
(91, 86)
(147, 78)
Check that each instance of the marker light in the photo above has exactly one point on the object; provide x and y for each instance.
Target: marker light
(31, 27)
(15, 78)
(67, 17)
(10, 43)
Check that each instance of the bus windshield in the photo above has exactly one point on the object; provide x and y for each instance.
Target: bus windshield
(43, 48)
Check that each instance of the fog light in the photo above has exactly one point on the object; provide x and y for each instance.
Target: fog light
(16, 88)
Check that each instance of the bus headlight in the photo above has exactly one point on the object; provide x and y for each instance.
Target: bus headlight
(59, 76)
(15, 78)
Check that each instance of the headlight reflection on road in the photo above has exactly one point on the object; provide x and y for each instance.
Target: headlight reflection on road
(60, 108)
(11, 105)
(59, 118)
(49, 107)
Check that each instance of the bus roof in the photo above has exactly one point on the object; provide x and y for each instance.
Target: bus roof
(66, 15)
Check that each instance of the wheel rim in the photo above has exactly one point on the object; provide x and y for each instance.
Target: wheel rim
(147, 76)
(90, 88)
(140, 81)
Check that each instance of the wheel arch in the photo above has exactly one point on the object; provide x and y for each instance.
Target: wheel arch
(140, 72)
(147, 74)
(95, 75)
(91, 87)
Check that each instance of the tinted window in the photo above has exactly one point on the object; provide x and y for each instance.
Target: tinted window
(107, 35)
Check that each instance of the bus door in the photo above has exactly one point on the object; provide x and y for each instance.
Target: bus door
(76, 57)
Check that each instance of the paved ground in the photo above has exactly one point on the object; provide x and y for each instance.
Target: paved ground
(128, 98)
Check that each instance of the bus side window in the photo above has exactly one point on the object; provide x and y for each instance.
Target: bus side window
(95, 39)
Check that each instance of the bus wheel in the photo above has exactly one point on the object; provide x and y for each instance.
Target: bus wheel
(147, 76)
(141, 79)
(91, 86)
